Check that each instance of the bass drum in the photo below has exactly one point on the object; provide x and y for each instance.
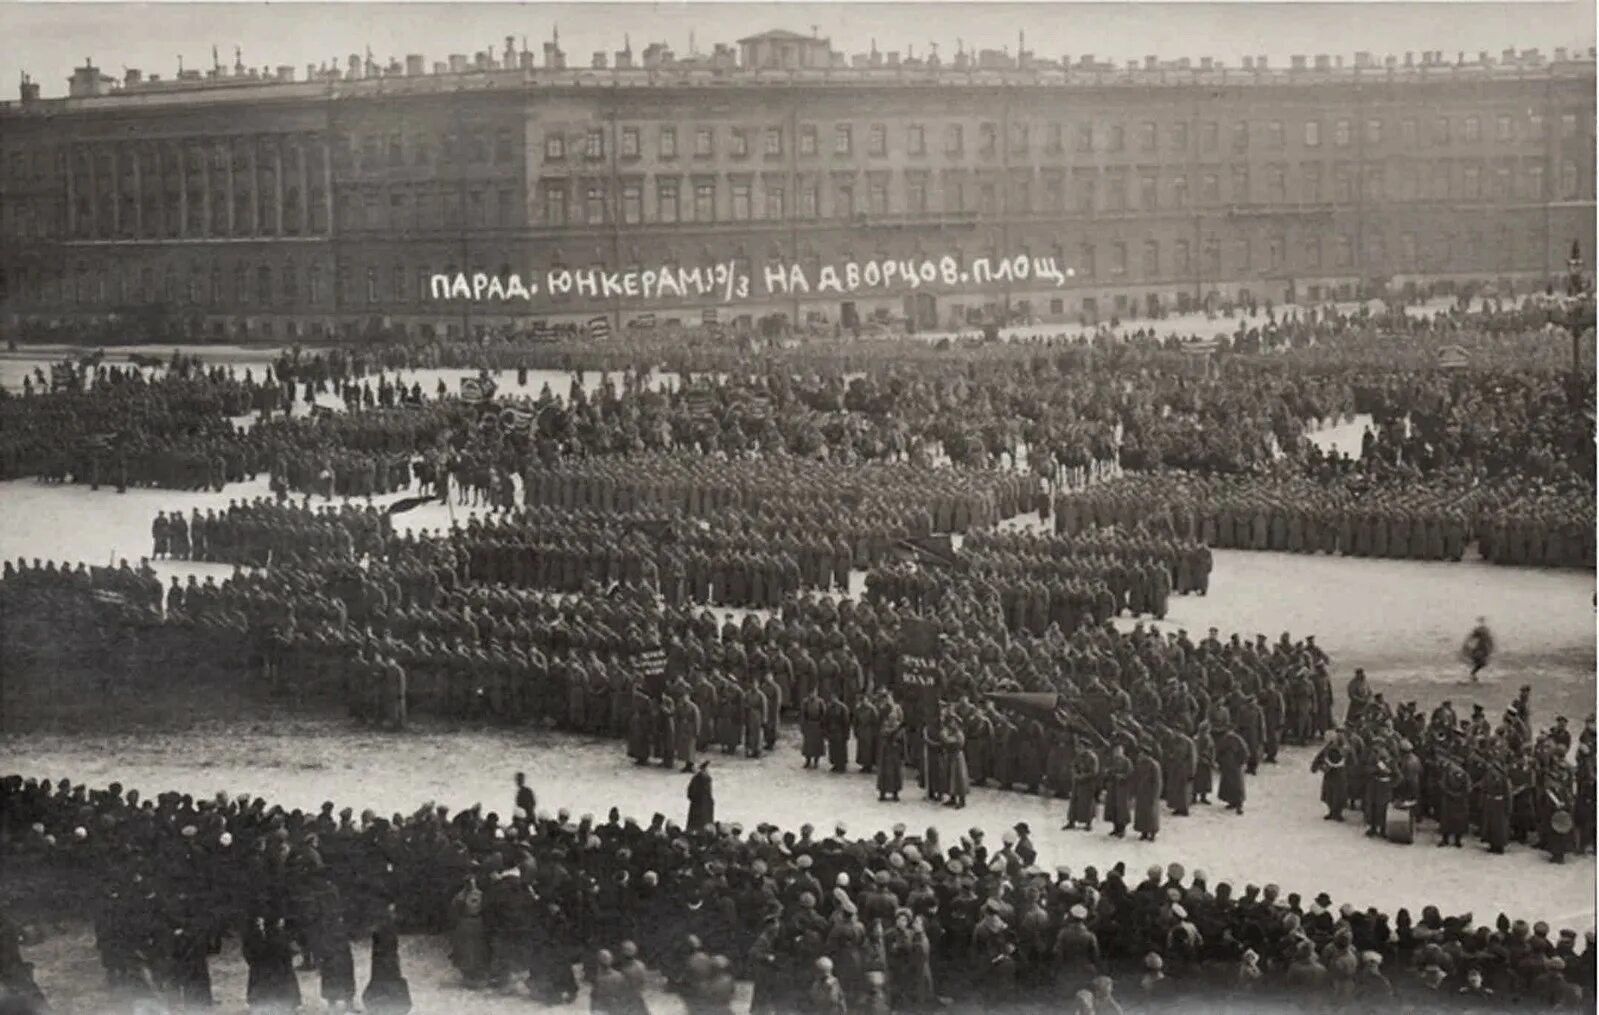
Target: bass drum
(1401, 824)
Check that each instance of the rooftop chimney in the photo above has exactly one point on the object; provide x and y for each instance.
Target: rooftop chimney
(1323, 62)
(1261, 63)
(415, 65)
(285, 72)
(1249, 63)
(86, 80)
(1206, 63)
(1151, 63)
(1362, 59)
(598, 63)
(1296, 62)
(133, 77)
(457, 63)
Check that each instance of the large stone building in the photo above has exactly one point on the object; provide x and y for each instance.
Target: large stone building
(247, 203)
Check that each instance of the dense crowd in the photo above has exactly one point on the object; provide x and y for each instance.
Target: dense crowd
(1435, 518)
(894, 921)
(620, 513)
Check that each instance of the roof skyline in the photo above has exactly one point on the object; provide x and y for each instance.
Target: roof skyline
(157, 38)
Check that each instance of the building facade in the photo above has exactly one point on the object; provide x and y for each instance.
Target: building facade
(253, 205)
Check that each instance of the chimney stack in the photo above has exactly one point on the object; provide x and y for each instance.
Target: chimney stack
(285, 73)
(133, 77)
(415, 65)
(457, 63)
(1296, 62)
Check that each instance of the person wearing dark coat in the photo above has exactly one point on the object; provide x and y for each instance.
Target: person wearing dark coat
(701, 799)
(1454, 805)
(837, 724)
(933, 775)
(191, 973)
(1177, 771)
(1147, 787)
(866, 734)
(1330, 763)
(1495, 790)
(336, 968)
(640, 728)
(813, 737)
(387, 992)
(955, 764)
(1118, 786)
(1232, 755)
(890, 760)
(272, 985)
(1085, 787)
(525, 800)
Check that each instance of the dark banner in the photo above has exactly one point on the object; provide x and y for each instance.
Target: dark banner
(650, 667)
(920, 674)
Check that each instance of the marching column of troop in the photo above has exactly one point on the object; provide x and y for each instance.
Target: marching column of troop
(929, 500)
(750, 558)
(259, 531)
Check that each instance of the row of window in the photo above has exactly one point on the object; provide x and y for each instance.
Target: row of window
(1149, 261)
(499, 146)
(395, 149)
(744, 142)
(672, 200)
(709, 199)
(166, 217)
(713, 199)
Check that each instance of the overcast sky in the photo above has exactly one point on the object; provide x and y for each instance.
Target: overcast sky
(49, 39)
